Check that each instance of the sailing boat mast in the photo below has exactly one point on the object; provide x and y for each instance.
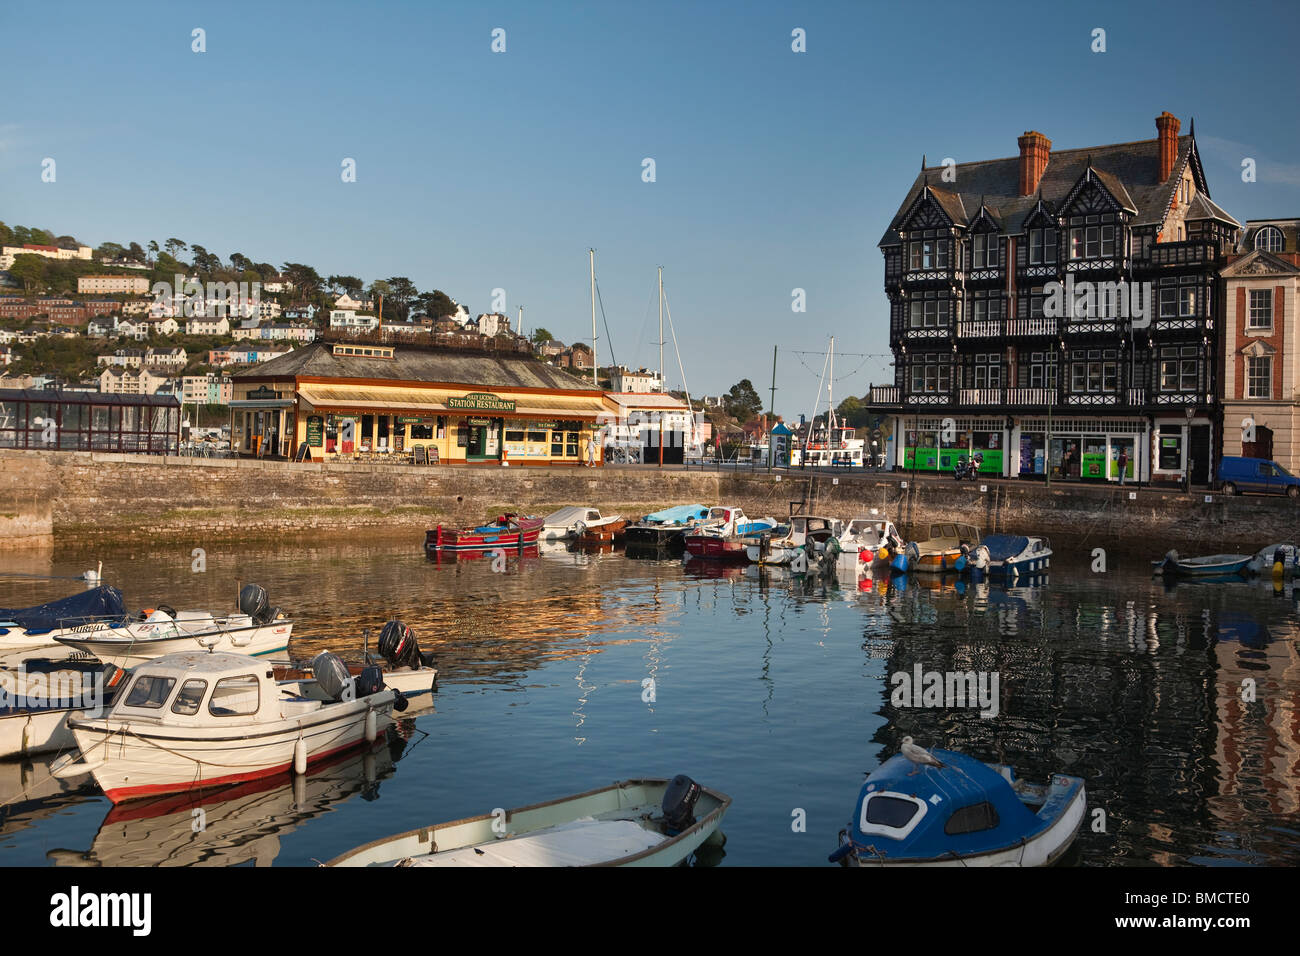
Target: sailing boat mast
(830, 397)
(593, 317)
(661, 330)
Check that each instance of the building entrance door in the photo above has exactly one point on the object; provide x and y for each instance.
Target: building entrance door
(1198, 453)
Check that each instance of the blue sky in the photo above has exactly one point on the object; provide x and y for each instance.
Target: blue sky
(479, 170)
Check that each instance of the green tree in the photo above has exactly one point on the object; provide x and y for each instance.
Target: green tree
(853, 412)
(402, 294)
(109, 250)
(6, 235)
(742, 402)
(174, 247)
(29, 269)
(153, 250)
(541, 336)
(135, 253)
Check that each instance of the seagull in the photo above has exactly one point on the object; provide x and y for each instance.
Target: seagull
(918, 755)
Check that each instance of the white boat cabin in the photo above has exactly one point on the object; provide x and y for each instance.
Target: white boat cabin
(198, 688)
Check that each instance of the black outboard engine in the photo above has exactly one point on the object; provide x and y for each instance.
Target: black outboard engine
(331, 674)
(369, 681)
(253, 602)
(398, 646)
(679, 803)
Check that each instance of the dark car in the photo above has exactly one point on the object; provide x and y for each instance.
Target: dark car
(1238, 476)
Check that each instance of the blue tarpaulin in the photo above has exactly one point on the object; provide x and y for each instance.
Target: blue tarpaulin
(99, 603)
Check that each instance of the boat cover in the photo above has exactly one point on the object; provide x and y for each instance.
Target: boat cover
(581, 842)
(1005, 546)
(99, 603)
(962, 783)
(677, 515)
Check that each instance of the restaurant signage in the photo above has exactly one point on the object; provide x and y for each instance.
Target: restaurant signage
(315, 431)
(410, 420)
(481, 402)
(262, 393)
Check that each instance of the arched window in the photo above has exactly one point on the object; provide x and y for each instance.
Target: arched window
(1269, 239)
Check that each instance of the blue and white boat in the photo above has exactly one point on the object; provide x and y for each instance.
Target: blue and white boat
(958, 811)
(1213, 565)
(1010, 555)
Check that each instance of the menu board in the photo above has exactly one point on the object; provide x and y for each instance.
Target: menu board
(315, 431)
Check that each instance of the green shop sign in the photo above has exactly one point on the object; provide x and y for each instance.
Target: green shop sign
(315, 431)
(481, 402)
(410, 420)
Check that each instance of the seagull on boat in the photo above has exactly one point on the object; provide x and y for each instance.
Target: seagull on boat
(919, 755)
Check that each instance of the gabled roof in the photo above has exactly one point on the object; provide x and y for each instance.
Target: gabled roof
(408, 364)
(1258, 262)
(1129, 171)
(1203, 207)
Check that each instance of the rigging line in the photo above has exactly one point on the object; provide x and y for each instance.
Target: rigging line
(690, 412)
(608, 338)
(645, 320)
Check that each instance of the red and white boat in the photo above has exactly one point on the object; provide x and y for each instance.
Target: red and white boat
(205, 719)
(726, 535)
(507, 531)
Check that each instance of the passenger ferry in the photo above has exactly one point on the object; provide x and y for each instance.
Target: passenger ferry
(839, 448)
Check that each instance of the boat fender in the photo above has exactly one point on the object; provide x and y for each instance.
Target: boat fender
(372, 726)
(300, 756)
(400, 703)
(680, 797)
(960, 563)
(841, 853)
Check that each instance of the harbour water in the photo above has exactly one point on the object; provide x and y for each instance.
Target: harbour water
(1174, 703)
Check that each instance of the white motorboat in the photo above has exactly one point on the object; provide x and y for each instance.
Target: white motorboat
(256, 630)
(632, 823)
(1011, 555)
(35, 707)
(808, 538)
(201, 719)
(562, 525)
(868, 544)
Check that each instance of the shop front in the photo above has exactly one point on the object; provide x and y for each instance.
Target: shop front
(937, 444)
(262, 421)
(1070, 449)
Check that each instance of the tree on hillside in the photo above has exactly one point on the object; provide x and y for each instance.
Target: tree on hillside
(135, 252)
(109, 250)
(67, 242)
(853, 412)
(240, 262)
(436, 304)
(6, 235)
(174, 247)
(742, 402)
(205, 262)
(542, 336)
(29, 269)
(307, 283)
(349, 284)
(403, 293)
(153, 250)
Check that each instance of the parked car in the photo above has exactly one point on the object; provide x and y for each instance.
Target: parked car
(1240, 475)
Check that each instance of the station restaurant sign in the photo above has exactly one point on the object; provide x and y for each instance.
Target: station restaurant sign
(481, 402)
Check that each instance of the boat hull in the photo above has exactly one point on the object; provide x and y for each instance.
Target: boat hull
(167, 638)
(134, 759)
(525, 533)
(716, 548)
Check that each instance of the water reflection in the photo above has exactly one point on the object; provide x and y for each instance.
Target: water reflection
(1176, 704)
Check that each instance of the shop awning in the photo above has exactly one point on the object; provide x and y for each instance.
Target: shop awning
(379, 399)
(262, 403)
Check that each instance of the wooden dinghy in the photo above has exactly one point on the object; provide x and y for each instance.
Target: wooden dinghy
(649, 822)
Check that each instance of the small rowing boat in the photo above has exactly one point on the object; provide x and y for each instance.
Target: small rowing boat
(632, 823)
(1206, 566)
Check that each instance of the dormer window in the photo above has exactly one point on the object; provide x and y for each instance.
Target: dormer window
(1269, 239)
(1088, 241)
(1042, 246)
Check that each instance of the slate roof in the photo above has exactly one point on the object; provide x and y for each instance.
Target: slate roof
(1129, 171)
(1290, 233)
(408, 364)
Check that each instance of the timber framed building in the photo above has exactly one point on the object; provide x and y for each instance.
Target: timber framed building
(985, 359)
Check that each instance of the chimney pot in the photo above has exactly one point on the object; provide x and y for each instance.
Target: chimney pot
(1035, 150)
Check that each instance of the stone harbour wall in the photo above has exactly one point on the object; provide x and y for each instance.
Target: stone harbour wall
(83, 495)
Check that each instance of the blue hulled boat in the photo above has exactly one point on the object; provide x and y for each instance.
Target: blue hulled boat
(1010, 555)
(665, 528)
(958, 811)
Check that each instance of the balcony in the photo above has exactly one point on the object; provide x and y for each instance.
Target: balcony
(981, 329)
(1031, 396)
(1191, 253)
(884, 395)
(1033, 326)
(980, 396)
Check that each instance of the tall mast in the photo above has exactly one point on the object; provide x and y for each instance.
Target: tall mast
(593, 317)
(520, 330)
(661, 329)
(830, 394)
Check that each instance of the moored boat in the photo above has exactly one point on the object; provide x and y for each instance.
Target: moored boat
(946, 549)
(602, 531)
(870, 543)
(201, 719)
(507, 531)
(647, 822)
(1011, 555)
(256, 629)
(942, 808)
(666, 528)
(562, 525)
(801, 546)
(722, 536)
(33, 628)
(1206, 566)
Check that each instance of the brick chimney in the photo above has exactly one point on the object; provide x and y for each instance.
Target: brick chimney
(1167, 126)
(1035, 148)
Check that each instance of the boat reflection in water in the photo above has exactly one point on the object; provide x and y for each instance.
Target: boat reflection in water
(234, 826)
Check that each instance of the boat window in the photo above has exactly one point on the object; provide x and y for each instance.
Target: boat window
(150, 691)
(188, 700)
(890, 811)
(235, 696)
(972, 819)
(949, 531)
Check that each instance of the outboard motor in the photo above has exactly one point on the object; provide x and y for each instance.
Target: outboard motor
(398, 646)
(679, 803)
(253, 602)
(331, 674)
(369, 681)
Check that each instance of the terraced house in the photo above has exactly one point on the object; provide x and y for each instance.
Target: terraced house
(1056, 311)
